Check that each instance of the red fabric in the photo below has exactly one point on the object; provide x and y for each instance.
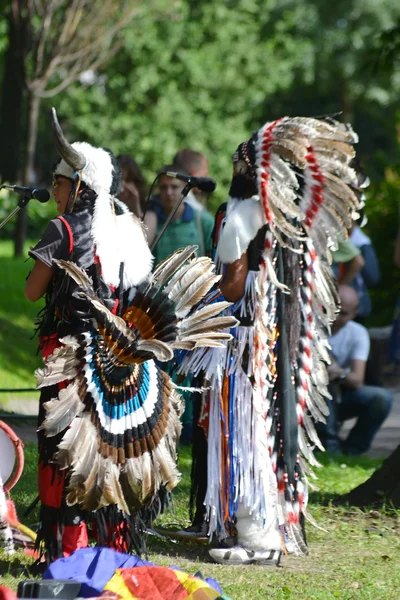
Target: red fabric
(48, 343)
(116, 540)
(157, 583)
(74, 537)
(51, 485)
(70, 234)
(6, 593)
(11, 512)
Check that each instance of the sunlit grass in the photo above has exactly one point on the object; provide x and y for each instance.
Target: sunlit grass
(354, 555)
(18, 345)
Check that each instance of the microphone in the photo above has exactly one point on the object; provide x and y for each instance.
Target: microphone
(205, 184)
(36, 193)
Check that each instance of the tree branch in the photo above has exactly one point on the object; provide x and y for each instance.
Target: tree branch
(78, 68)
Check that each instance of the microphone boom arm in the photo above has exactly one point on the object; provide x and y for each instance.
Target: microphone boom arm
(171, 215)
(21, 204)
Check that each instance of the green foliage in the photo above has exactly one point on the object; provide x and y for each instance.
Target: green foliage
(382, 227)
(194, 78)
(205, 74)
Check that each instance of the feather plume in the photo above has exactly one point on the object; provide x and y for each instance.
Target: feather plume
(94, 485)
(166, 465)
(197, 270)
(81, 464)
(168, 266)
(207, 312)
(159, 349)
(215, 324)
(296, 537)
(61, 411)
(272, 275)
(147, 477)
(282, 172)
(132, 470)
(112, 491)
(195, 293)
(180, 274)
(76, 438)
(60, 365)
(76, 273)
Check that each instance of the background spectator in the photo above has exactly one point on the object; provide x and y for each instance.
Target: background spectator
(350, 396)
(347, 261)
(134, 188)
(368, 276)
(394, 340)
(196, 164)
(189, 225)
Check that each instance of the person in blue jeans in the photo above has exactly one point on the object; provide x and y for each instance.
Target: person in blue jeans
(350, 396)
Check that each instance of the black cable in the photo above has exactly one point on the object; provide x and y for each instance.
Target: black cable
(149, 195)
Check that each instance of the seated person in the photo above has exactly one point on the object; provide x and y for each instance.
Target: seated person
(350, 396)
(369, 275)
(347, 261)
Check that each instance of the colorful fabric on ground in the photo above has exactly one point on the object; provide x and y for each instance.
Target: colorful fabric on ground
(93, 567)
(159, 583)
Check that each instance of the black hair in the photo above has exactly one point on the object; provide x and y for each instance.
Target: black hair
(85, 199)
(116, 182)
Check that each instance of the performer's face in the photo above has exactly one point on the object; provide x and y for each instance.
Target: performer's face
(61, 190)
(170, 191)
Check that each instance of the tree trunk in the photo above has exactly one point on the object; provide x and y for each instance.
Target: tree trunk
(13, 91)
(383, 487)
(28, 175)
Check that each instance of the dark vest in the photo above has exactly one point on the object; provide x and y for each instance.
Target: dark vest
(66, 312)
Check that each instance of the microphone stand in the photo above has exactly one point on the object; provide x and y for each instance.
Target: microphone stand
(21, 204)
(171, 215)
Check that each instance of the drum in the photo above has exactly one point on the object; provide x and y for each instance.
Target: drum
(12, 456)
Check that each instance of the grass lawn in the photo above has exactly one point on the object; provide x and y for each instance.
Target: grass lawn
(355, 556)
(18, 348)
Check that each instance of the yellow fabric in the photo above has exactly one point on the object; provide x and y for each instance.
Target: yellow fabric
(118, 585)
(193, 584)
(196, 588)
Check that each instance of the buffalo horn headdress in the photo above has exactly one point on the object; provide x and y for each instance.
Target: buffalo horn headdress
(117, 234)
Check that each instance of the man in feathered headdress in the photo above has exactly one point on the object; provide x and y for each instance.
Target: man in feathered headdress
(109, 417)
(290, 197)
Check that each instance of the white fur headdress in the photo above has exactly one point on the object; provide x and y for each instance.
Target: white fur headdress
(117, 234)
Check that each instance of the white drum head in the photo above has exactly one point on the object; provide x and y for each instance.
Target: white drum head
(7, 456)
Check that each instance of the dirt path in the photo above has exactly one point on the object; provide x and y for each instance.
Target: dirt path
(386, 440)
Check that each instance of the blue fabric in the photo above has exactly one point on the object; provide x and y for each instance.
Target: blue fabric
(394, 340)
(371, 405)
(92, 567)
(187, 215)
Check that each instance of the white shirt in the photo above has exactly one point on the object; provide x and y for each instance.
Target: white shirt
(351, 342)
